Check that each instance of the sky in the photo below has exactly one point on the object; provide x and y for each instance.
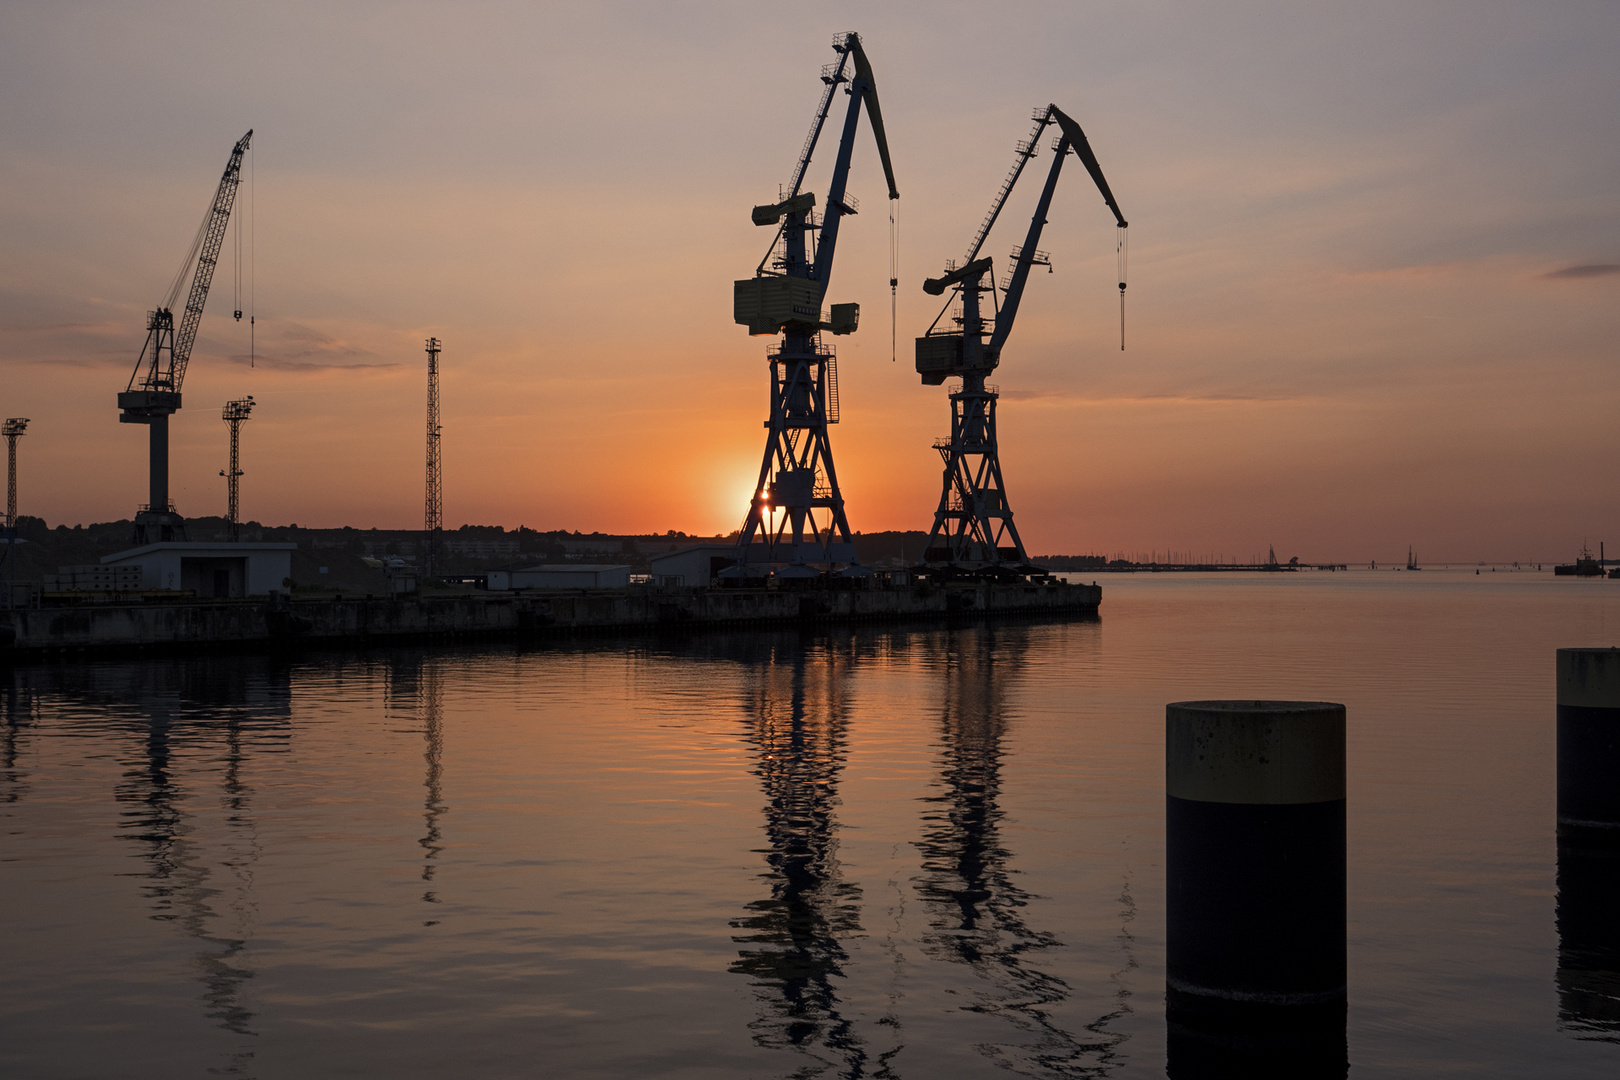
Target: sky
(1374, 281)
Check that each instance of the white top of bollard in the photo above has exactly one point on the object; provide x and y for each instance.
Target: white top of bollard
(1589, 678)
(1255, 752)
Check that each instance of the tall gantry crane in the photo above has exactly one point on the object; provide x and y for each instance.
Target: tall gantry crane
(796, 516)
(153, 394)
(233, 414)
(973, 527)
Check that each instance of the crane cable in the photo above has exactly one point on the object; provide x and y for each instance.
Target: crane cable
(1122, 248)
(894, 282)
(253, 250)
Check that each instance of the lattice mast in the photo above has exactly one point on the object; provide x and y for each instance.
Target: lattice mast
(13, 430)
(973, 525)
(796, 515)
(433, 506)
(234, 413)
(153, 394)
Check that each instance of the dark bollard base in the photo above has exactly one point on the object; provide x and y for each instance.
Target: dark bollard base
(1256, 899)
(1588, 763)
(1589, 933)
(1215, 1038)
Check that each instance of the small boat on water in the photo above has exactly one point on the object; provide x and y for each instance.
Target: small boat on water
(1585, 565)
(1411, 561)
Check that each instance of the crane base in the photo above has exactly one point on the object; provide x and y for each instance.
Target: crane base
(159, 526)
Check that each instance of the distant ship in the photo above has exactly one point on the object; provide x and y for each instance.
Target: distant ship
(1585, 566)
(1411, 562)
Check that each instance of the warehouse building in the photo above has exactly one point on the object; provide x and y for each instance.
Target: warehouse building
(213, 571)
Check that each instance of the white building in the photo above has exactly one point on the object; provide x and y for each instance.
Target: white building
(567, 576)
(211, 570)
(697, 565)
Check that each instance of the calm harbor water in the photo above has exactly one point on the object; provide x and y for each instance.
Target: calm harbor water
(920, 852)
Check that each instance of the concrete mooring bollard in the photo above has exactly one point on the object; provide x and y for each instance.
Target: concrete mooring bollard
(1589, 741)
(1255, 877)
(1589, 842)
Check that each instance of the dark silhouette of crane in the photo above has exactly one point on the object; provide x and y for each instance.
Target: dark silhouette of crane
(233, 414)
(153, 394)
(13, 430)
(797, 480)
(433, 504)
(973, 527)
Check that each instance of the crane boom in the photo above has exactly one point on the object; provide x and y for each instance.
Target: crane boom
(168, 350)
(219, 217)
(1025, 150)
(1071, 139)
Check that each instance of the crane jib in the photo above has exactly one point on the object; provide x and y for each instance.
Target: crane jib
(168, 347)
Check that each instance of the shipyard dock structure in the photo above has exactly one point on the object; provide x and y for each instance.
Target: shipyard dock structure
(116, 625)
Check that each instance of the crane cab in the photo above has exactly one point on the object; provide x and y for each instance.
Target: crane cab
(941, 356)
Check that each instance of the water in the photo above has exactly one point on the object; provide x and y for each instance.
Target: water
(931, 852)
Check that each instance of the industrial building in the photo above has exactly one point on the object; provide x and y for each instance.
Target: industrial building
(210, 570)
(697, 565)
(569, 576)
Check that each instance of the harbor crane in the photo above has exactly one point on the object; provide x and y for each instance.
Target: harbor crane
(153, 394)
(973, 530)
(796, 516)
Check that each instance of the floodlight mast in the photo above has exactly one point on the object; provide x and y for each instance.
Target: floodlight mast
(234, 413)
(973, 530)
(153, 394)
(14, 429)
(796, 514)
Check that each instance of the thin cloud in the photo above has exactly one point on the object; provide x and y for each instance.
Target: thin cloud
(1586, 270)
(303, 347)
(1068, 398)
(276, 362)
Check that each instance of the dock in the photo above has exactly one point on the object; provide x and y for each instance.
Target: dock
(282, 621)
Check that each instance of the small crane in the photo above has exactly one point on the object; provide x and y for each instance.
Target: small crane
(153, 394)
(973, 527)
(797, 479)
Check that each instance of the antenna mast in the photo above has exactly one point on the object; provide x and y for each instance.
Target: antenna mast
(433, 511)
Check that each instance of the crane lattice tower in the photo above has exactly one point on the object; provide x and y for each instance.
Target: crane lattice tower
(233, 414)
(13, 430)
(796, 514)
(433, 506)
(153, 394)
(973, 527)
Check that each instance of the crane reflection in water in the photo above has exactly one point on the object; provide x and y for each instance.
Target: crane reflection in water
(792, 939)
(416, 692)
(199, 852)
(979, 912)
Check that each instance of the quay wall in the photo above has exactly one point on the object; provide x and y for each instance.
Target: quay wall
(530, 613)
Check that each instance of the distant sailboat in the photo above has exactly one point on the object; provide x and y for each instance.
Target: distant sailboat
(1411, 562)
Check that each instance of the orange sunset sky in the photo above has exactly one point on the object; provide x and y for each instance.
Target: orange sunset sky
(1375, 262)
